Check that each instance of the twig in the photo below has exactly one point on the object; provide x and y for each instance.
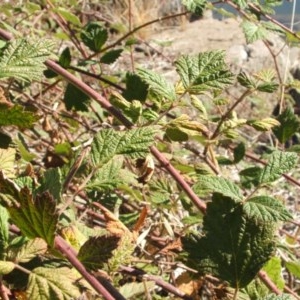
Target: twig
(263, 276)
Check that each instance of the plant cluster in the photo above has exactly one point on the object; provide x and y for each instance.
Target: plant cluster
(124, 185)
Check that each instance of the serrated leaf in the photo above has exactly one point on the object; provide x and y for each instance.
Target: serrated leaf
(111, 56)
(234, 247)
(158, 84)
(6, 267)
(4, 230)
(68, 16)
(7, 161)
(278, 297)
(35, 217)
(250, 176)
(195, 6)
(289, 125)
(268, 87)
(219, 185)
(134, 289)
(28, 251)
(108, 176)
(49, 283)
(51, 182)
(279, 163)
(266, 209)
(94, 36)
(136, 89)
(74, 98)
(134, 143)
(191, 128)
(23, 148)
(253, 32)
(264, 124)
(23, 60)
(198, 104)
(65, 58)
(274, 270)
(204, 72)
(246, 80)
(293, 267)
(17, 116)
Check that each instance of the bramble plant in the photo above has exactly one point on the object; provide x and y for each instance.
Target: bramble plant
(112, 181)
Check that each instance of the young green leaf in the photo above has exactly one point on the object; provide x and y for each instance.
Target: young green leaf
(4, 226)
(264, 124)
(16, 116)
(219, 185)
(94, 36)
(274, 270)
(253, 32)
(135, 290)
(289, 125)
(111, 56)
(234, 247)
(7, 160)
(68, 16)
(75, 98)
(107, 177)
(266, 209)
(23, 60)
(195, 6)
(134, 143)
(158, 84)
(28, 251)
(6, 267)
(35, 217)
(204, 72)
(279, 163)
(50, 283)
(239, 152)
(246, 80)
(51, 182)
(294, 268)
(65, 58)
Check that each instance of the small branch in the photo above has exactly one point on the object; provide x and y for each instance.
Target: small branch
(4, 291)
(263, 276)
(158, 281)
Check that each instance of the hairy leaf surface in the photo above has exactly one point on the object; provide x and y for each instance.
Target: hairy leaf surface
(234, 247)
(134, 143)
(94, 36)
(266, 209)
(253, 32)
(46, 283)
(35, 217)
(219, 185)
(206, 71)
(24, 60)
(4, 230)
(158, 84)
(279, 163)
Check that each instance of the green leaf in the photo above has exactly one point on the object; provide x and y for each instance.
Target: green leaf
(250, 176)
(134, 143)
(111, 56)
(23, 148)
(108, 176)
(28, 251)
(7, 161)
(51, 182)
(68, 16)
(289, 125)
(246, 80)
(35, 217)
(6, 267)
(204, 72)
(253, 32)
(158, 84)
(195, 6)
(219, 185)
(16, 116)
(65, 58)
(94, 36)
(4, 230)
(279, 163)
(198, 104)
(176, 135)
(241, 3)
(239, 152)
(136, 89)
(266, 209)
(234, 247)
(23, 60)
(49, 283)
(133, 290)
(75, 98)
(264, 124)
(274, 270)
(293, 267)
